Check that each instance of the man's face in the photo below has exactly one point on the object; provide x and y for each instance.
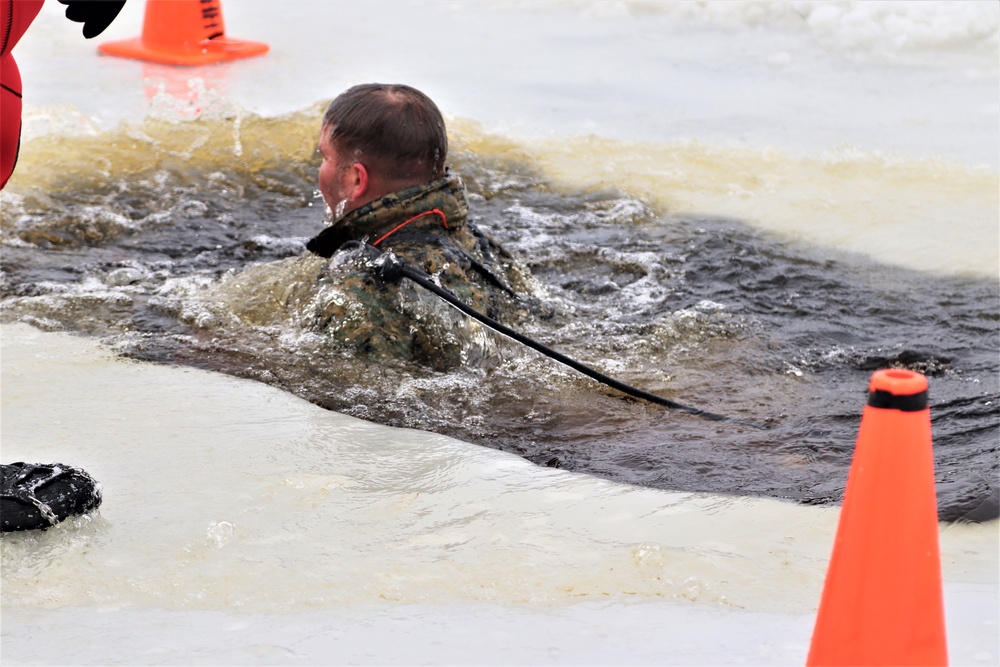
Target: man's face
(332, 177)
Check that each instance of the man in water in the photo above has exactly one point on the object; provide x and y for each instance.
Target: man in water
(385, 182)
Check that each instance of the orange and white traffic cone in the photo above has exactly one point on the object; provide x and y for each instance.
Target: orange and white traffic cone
(882, 600)
(183, 32)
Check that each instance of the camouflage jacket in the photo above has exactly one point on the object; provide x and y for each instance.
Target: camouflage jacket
(426, 226)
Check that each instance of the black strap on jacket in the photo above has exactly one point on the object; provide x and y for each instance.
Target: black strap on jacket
(390, 268)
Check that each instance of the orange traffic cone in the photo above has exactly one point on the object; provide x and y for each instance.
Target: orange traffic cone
(183, 32)
(882, 601)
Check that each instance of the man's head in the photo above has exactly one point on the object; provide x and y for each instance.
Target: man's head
(376, 139)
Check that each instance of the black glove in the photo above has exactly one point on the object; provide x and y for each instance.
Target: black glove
(95, 15)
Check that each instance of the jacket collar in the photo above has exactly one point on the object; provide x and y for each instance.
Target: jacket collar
(380, 216)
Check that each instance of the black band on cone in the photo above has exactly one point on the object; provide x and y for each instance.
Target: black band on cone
(884, 399)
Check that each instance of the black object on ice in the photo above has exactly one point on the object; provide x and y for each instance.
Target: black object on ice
(39, 495)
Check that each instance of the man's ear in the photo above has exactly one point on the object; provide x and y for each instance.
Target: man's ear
(357, 181)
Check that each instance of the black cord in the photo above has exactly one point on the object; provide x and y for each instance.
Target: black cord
(390, 268)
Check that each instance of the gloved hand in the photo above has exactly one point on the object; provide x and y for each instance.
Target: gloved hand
(95, 15)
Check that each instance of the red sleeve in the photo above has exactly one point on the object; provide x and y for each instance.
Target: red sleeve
(15, 17)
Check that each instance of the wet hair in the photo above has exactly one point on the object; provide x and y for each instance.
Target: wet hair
(392, 129)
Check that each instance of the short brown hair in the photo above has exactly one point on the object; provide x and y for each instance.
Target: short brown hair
(391, 128)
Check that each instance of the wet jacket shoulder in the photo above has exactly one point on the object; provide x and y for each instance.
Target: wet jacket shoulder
(427, 227)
